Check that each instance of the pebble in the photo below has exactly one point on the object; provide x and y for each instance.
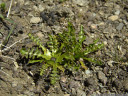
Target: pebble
(14, 83)
(81, 2)
(102, 77)
(117, 84)
(125, 83)
(41, 8)
(88, 40)
(105, 70)
(63, 79)
(73, 90)
(101, 24)
(105, 42)
(117, 12)
(21, 2)
(74, 84)
(90, 81)
(110, 63)
(80, 93)
(35, 20)
(126, 40)
(93, 26)
(35, 8)
(113, 17)
(120, 26)
(40, 35)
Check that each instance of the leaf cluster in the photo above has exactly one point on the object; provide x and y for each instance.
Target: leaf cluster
(62, 52)
(2, 7)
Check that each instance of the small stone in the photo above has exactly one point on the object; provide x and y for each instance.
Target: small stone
(101, 24)
(63, 79)
(117, 12)
(81, 2)
(40, 35)
(93, 26)
(105, 42)
(105, 70)
(102, 77)
(110, 63)
(126, 40)
(90, 81)
(35, 20)
(35, 8)
(87, 72)
(125, 83)
(80, 93)
(113, 18)
(120, 26)
(41, 8)
(73, 90)
(14, 84)
(117, 84)
(88, 40)
(74, 84)
(21, 2)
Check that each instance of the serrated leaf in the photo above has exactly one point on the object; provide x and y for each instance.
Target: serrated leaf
(81, 35)
(1, 16)
(93, 61)
(82, 64)
(24, 52)
(35, 61)
(43, 69)
(61, 68)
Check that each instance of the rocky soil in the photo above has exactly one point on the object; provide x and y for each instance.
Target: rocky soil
(103, 19)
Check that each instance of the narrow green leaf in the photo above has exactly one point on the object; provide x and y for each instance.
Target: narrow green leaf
(81, 35)
(44, 68)
(35, 61)
(93, 61)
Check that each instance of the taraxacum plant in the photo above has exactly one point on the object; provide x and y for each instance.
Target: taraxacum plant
(62, 52)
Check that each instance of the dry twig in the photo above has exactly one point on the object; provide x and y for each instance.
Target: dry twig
(9, 8)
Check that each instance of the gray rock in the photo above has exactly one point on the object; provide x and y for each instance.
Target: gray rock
(14, 83)
(21, 2)
(88, 40)
(81, 2)
(41, 8)
(80, 93)
(117, 83)
(125, 83)
(35, 20)
(102, 77)
(113, 17)
(74, 84)
(110, 63)
(90, 81)
(120, 26)
(73, 90)
(117, 12)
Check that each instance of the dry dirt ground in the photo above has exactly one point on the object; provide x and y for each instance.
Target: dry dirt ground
(103, 19)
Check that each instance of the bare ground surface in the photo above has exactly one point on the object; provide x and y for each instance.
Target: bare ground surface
(107, 21)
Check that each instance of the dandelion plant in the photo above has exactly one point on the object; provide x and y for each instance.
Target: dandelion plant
(62, 52)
